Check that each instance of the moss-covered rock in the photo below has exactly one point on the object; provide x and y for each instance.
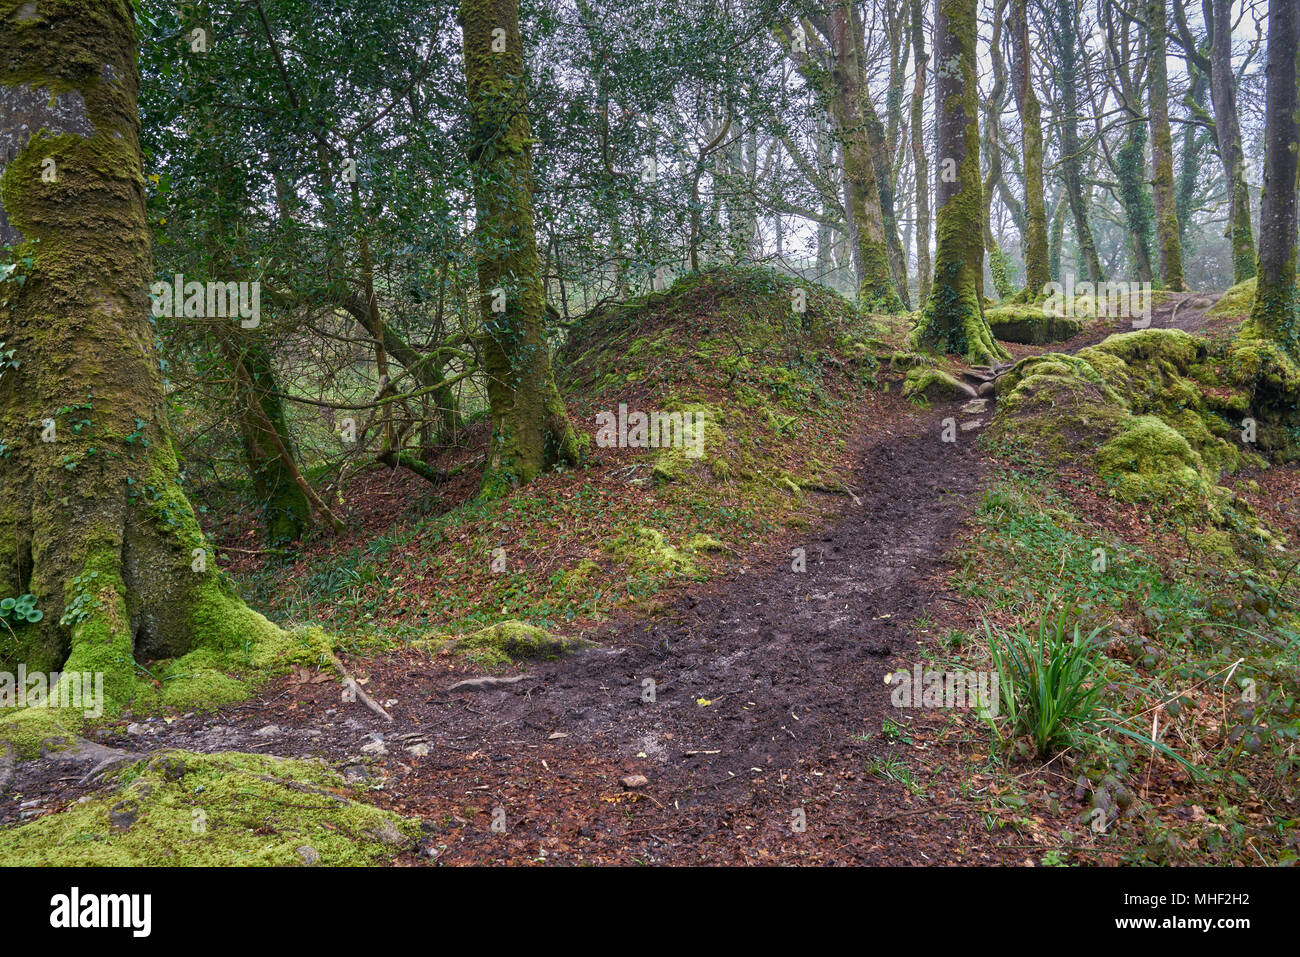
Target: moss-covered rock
(1030, 325)
(1149, 460)
(1237, 301)
(1161, 412)
(179, 808)
(935, 385)
(510, 641)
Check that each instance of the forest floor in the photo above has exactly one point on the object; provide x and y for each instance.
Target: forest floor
(747, 722)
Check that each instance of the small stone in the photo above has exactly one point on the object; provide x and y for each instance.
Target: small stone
(269, 731)
(986, 388)
(123, 816)
(419, 750)
(308, 855)
(975, 405)
(971, 424)
(356, 774)
(634, 781)
(134, 728)
(374, 747)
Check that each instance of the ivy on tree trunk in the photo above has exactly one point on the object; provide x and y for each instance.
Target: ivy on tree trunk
(530, 427)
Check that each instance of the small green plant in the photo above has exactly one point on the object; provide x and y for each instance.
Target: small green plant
(21, 610)
(1048, 683)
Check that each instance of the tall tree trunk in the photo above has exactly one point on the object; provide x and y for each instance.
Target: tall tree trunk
(865, 220)
(993, 142)
(286, 512)
(953, 318)
(1227, 126)
(1068, 81)
(1130, 162)
(1056, 239)
(1192, 149)
(882, 164)
(1162, 152)
(1273, 315)
(1037, 271)
(919, 158)
(92, 519)
(530, 427)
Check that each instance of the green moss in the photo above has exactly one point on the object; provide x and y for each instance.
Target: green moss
(33, 730)
(1236, 301)
(510, 641)
(1029, 324)
(934, 384)
(179, 808)
(1151, 461)
(646, 548)
(703, 543)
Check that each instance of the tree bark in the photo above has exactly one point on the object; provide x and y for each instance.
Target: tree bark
(953, 318)
(1162, 152)
(285, 509)
(530, 427)
(993, 142)
(92, 518)
(1273, 315)
(919, 158)
(1227, 126)
(1037, 272)
(1067, 78)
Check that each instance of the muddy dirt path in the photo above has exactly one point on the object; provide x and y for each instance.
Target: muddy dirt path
(750, 723)
(752, 697)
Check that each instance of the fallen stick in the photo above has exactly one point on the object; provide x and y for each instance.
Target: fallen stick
(351, 682)
(482, 684)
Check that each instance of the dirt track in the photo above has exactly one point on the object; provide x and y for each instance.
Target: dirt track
(768, 697)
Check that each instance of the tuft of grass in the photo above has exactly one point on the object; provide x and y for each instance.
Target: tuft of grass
(1048, 684)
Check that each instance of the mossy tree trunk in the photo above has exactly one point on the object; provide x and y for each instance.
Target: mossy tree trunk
(1037, 271)
(920, 160)
(1066, 75)
(1273, 315)
(530, 427)
(833, 67)
(286, 512)
(1227, 127)
(882, 164)
(993, 148)
(1162, 152)
(1130, 161)
(92, 518)
(953, 317)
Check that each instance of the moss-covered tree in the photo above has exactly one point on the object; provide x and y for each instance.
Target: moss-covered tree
(1037, 272)
(1273, 315)
(285, 509)
(530, 428)
(1213, 60)
(920, 161)
(833, 66)
(93, 521)
(1064, 41)
(993, 104)
(1162, 151)
(953, 317)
